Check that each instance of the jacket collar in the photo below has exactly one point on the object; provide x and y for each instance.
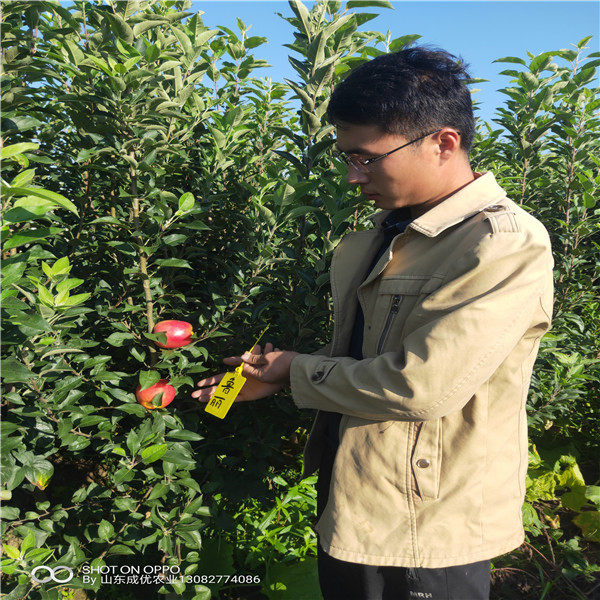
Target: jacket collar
(465, 203)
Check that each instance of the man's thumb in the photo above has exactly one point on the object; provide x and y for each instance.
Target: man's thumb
(253, 359)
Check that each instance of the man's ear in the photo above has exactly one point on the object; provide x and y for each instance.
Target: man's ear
(448, 142)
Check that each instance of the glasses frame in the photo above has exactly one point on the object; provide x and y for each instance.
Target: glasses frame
(362, 164)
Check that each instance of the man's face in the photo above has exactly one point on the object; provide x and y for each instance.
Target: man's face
(406, 178)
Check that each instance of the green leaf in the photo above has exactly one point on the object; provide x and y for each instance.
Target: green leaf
(119, 338)
(12, 272)
(30, 323)
(109, 220)
(148, 378)
(584, 41)
(571, 476)
(106, 531)
(24, 178)
(47, 269)
(160, 490)
(144, 25)
(300, 211)
(11, 551)
(120, 27)
(203, 37)
(38, 555)
(529, 81)
(157, 399)
(184, 40)
(68, 284)
(57, 199)
(302, 13)
(368, 4)
(301, 168)
(403, 41)
(29, 207)
(592, 493)
(589, 201)
(120, 550)
(6, 428)
(173, 262)
(176, 458)
(133, 409)
(266, 215)
(100, 64)
(45, 296)
(74, 300)
(589, 523)
(574, 499)
(175, 239)
(190, 483)
(541, 487)
(567, 54)
(12, 371)
(185, 434)
(511, 59)
(14, 149)
(39, 472)
(28, 542)
(30, 236)
(198, 226)
(9, 513)
(154, 452)
(186, 202)
(92, 420)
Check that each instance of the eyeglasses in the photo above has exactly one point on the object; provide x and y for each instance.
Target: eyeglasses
(362, 164)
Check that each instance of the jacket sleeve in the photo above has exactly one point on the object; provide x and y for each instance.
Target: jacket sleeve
(453, 342)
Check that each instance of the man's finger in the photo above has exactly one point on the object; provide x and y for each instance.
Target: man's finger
(251, 371)
(233, 360)
(204, 394)
(210, 381)
(254, 359)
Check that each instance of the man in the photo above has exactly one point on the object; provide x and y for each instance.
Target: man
(420, 439)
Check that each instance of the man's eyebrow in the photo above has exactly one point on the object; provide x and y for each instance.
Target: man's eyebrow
(357, 150)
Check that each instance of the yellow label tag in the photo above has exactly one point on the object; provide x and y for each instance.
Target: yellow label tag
(231, 385)
(228, 389)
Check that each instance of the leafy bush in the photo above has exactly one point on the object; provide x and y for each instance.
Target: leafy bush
(150, 173)
(547, 158)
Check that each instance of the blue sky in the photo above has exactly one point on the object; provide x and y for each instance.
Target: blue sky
(479, 31)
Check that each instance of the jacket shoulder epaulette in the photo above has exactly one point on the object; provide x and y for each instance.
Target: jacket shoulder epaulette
(501, 218)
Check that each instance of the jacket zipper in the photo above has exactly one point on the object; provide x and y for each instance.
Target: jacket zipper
(390, 319)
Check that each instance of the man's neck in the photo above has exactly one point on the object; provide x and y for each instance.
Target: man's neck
(460, 178)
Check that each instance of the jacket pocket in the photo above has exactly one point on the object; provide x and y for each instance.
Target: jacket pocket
(426, 460)
(392, 313)
(397, 297)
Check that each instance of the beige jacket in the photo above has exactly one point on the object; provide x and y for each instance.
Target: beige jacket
(430, 471)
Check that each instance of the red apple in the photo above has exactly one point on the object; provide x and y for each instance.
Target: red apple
(179, 333)
(146, 396)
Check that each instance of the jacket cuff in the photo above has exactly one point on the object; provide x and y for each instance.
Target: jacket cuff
(306, 372)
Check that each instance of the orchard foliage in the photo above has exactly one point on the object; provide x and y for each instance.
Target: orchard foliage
(150, 172)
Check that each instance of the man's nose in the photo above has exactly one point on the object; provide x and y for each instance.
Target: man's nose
(356, 177)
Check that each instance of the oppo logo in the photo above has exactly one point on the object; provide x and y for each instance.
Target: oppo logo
(52, 574)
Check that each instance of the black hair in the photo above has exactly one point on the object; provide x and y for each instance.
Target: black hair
(407, 93)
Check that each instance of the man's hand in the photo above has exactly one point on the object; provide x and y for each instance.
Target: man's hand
(271, 367)
(256, 386)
